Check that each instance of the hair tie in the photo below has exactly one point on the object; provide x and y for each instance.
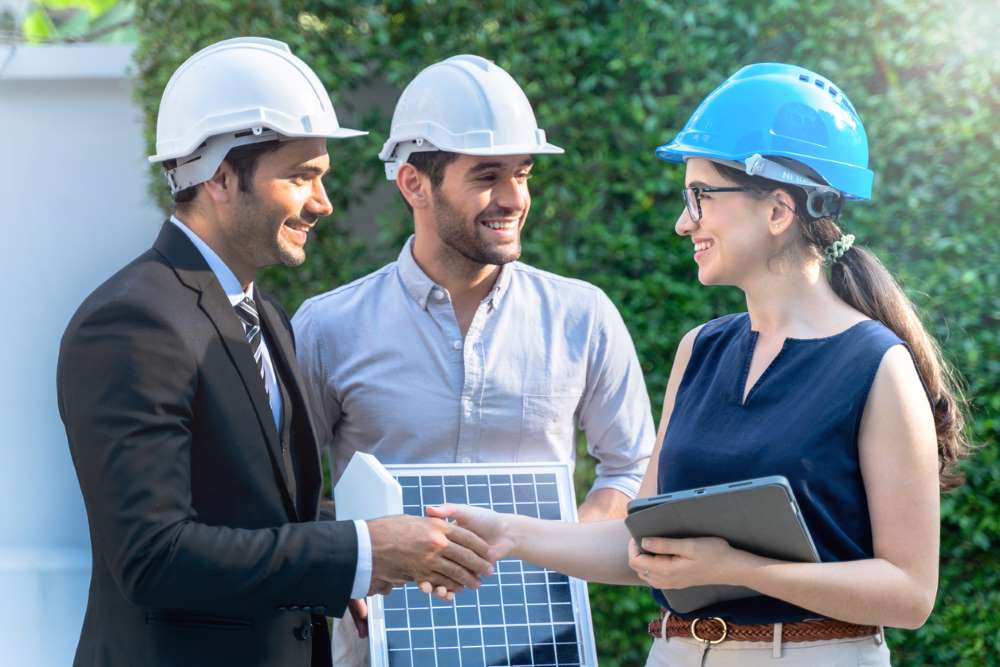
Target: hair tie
(836, 250)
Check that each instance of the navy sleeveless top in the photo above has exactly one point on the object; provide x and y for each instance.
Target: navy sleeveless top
(801, 419)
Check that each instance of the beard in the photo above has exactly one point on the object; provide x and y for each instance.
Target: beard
(257, 232)
(468, 239)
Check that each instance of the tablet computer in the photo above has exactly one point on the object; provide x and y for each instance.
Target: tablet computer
(757, 515)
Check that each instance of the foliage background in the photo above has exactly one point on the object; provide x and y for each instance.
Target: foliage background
(612, 80)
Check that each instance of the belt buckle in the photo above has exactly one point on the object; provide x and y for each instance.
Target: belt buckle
(694, 631)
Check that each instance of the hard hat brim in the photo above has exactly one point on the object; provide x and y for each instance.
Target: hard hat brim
(388, 151)
(318, 126)
(851, 181)
(523, 149)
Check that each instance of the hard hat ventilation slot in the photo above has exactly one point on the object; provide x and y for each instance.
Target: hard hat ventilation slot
(832, 91)
(820, 84)
(804, 77)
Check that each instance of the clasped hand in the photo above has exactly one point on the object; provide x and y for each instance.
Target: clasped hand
(443, 556)
(679, 563)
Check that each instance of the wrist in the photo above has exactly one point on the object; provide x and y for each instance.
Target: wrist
(513, 529)
(743, 568)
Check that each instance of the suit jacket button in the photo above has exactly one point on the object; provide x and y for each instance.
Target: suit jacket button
(304, 632)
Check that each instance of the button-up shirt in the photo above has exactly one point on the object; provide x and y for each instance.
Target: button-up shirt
(392, 375)
(234, 291)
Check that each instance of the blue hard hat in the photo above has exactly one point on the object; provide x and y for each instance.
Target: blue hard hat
(780, 111)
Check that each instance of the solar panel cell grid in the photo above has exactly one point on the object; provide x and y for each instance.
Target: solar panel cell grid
(521, 615)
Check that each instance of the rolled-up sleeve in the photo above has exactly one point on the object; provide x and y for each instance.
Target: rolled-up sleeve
(615, 412)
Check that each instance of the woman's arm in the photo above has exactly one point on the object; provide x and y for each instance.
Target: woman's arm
(898, 455)
(595, 551)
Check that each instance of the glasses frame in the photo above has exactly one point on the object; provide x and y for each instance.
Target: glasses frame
(695, 211)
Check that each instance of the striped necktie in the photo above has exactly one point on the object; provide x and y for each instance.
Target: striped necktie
(247, 311)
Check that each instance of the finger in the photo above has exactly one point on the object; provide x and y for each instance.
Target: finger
(436, 580)
(446, 511)
(455, 572)
(633, 549)
(444, 594)
(667, 545)
(384, 588)
(359, 612)
(426, 587)
(642, 563)
(359, 609)
(468, 559)
(467, 539)
(497, 552)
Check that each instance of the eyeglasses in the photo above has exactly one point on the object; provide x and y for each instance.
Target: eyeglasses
(693, 203)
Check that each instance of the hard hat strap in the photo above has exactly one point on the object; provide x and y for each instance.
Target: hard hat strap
(758, 165)
(202, 164)
(822, 201)
(402, 153)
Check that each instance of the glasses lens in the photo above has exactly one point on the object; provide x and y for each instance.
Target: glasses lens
(691, 203)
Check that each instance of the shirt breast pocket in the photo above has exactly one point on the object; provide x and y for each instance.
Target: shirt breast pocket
(548, 423)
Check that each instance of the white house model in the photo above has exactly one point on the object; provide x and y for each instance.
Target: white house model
(366, 490)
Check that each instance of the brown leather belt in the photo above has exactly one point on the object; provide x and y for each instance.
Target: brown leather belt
(714, 630)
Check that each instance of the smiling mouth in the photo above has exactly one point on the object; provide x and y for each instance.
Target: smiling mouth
(299, 230)
(500, 225)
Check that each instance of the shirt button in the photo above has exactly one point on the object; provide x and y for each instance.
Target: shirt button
(456, 345)
(465, 459)
(438, 294)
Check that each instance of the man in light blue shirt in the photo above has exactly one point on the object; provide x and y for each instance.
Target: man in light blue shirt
(456, 352)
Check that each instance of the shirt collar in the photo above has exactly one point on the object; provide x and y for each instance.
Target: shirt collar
(419, 284)
(227, 279)
(416, 282)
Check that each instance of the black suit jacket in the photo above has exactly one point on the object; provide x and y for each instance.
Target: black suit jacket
(203, 552)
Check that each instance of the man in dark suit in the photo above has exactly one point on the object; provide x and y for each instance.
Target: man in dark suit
(185, 413)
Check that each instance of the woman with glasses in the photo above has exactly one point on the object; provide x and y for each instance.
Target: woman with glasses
(828, 379)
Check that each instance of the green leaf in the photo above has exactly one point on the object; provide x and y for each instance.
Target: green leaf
(37, 26)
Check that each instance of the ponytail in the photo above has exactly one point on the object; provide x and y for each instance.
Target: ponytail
(863, 282)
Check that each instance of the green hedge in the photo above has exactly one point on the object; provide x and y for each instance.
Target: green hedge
(609, 82)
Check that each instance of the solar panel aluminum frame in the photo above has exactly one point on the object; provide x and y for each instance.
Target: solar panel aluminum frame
(377, 638)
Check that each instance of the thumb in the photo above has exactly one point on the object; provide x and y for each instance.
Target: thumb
(446, 511)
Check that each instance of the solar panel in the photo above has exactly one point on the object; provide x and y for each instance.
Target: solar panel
(521, 615)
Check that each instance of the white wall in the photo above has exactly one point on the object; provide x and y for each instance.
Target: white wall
(73, 209)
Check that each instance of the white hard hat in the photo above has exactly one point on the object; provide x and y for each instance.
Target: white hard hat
(465, 104)
(237, 92)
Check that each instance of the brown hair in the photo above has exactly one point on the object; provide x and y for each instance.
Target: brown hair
(863, 282)
(431, 164)
(244, 162)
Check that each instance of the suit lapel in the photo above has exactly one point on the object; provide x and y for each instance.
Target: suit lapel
(193, 271)
(283, 355)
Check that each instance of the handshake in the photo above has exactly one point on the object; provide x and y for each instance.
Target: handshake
(443, 557)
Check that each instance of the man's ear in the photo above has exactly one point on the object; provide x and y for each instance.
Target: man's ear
(221, 187)
(781, 214)
(414, 186)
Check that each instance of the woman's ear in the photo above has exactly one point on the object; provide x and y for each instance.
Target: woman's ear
(414, 186)
(781, 214)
